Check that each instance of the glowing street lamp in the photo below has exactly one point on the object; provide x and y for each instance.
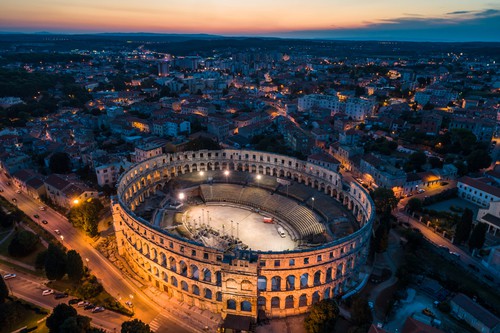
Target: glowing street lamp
(312, 203)
(259, 177)
(182, 196)
(226, 173)
(76, 201)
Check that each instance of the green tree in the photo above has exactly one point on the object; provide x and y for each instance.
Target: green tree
(23, 243)
(75, 324)
(74, 266)
(381, 240)
(361, 314)
(478, 159)
(4, 291)
(464, 226)
(60, 313)
(60, 163)
(384, 199)
(40, 260)
(322, 317)
(55, 262)
(85, 215)
(416, 161)
(478, 236)
(135, 326)
(415, 205)
(201, 143)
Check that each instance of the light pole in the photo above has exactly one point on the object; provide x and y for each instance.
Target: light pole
(258, 180)
(231, 228)
(312, 203)
(226, 173)
(202, 173)
(238, 230)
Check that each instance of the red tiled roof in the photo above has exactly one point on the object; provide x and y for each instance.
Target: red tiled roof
(480, 185)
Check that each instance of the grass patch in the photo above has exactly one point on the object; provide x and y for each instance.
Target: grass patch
(19, 314)
(37, 272)
(5, 245)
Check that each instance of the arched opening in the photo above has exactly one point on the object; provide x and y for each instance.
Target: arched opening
(304, 279)
(173, 264)
(261, 283)
(246, 306)
(326, 294)
(315, 297)
(183, 268)
(163, 260)
(317, 278)
(231, 304)
(275, 303)
(218, 278)
(184, 286)
(196, 290)
(289, 302)
(195, 273)
(329, 275)
(302, 300)
(218, 296)
(290, 282)
(173, 281)
(208, 293)
(276, 283)
(207, 275)
(261, 303)
(164, 276)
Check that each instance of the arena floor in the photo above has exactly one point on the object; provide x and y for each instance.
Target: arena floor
(247, 225)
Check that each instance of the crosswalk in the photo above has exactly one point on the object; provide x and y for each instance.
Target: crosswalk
(161, 324)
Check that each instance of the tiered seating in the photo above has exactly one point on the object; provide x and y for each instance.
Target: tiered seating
(297, 191)
(300, 217)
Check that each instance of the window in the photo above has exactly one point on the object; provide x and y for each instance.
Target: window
(262, 263)
(319, 258)
(277, 263)
(205, 255)
(291, 262)
(306, 261)
(193, 253)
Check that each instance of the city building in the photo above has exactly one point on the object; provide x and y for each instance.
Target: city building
(474, 314)
(480, 191)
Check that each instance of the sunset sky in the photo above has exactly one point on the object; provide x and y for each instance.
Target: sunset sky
(362, 19)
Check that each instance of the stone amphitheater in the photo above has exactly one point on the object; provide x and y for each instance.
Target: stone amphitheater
(327, 223)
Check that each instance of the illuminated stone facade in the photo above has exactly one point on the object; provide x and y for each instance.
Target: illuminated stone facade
(280, 283)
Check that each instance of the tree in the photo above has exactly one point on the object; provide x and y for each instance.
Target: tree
(74, 266)
(60, 163)
(4, 291)
(384, 199)
(381, 240)
(478, 159)
(478, 236)
(60, 313)
(135, 326)
(85, 215)
(361, 314)
(464, 226)
(322, 317)
(23, 243)
(202, 143)
(416, 161)
(76, 324)
(55, 262)
(40, 260)
(415, 204)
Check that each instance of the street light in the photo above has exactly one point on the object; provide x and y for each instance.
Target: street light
(182, 196)
(312, 203)
(258, 180)
(76, 201)
(226, 173)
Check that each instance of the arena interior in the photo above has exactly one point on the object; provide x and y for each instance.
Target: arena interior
(243, 232)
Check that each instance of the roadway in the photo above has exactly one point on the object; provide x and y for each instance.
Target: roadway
(115, 283)
(29, 288)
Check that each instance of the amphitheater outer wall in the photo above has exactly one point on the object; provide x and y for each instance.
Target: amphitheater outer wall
(279, 283)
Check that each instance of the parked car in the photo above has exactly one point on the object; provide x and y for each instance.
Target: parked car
(455, 254)
(44, 221)
(42, 208)
(90, 306)
(371, 305)
(57, 232)
(36, 216)
(9, 276)
(18, 191)
(60, 295)
(82, 304)
(129, 304)
(428, 313)
(98, 309)
(47, 292)
(74, 301)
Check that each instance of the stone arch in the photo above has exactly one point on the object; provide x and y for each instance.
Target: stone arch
(164, 276)
(183, 268)
(207, 294)
(302, 300)
(290, 282)
(275, 302)
(173, 265)
(195, 273)
(261, 303)
(328, 274)
(173, 281)
(327, 293)
(154, 255)
(184, 286)
(195, 290)
(317, 278)
(231, 284)
(262, 283)
(163, 259)
(231, 304)
(156, 272)
(207, 275)
(246, 285)
(276, 283)
(289, 302)
(315, 297)
(218, 296)
(304, 280)
(246, 306)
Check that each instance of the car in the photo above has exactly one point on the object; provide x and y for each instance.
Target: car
(18, 191)
(82, 304)
(74, 301)
(129, 304)
(380, 325)
(1, 189)
(57, 232)
(9, 276)
(89, 306)
(8, 183)
(42, 208)
(60, 295)
(410, 194)
(421, 190)
(444, 248)
(428, 312)
(455, 254)
(47, 292)
(36, 216)
(44, 221)
(98, 309)
(371, 305)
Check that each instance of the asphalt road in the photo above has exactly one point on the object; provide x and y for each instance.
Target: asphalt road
(114, 282)
(30, 288)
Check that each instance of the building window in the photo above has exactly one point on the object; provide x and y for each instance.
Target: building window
(306, 261)
(262, 263)
(291, 262)
(277, 263)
